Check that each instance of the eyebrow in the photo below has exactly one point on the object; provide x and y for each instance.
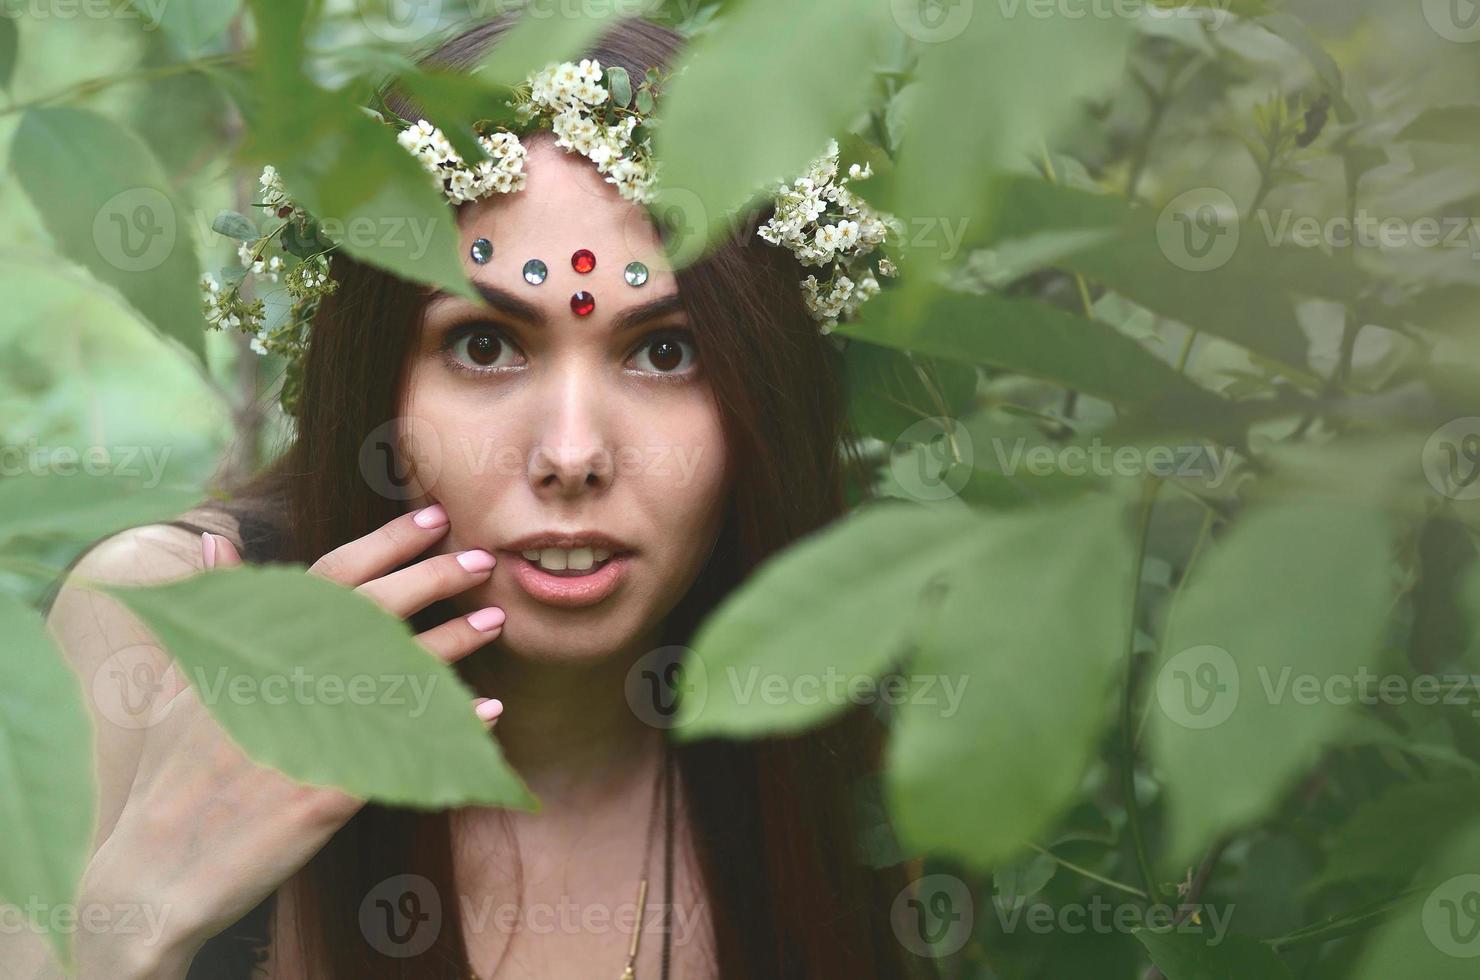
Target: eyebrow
(508, 304)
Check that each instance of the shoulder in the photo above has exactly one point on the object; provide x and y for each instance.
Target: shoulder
(152, 554)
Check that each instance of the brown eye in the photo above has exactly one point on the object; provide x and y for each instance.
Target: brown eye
(480, 348)
(665, 354)
(484, 348)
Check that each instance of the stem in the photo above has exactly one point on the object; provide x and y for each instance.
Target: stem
(1085, 872)
(92, 86)
(1349, 924)
(1127, 704)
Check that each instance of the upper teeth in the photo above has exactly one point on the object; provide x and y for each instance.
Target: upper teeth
(559, 559)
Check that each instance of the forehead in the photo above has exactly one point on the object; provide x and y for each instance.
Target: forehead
(566, 207)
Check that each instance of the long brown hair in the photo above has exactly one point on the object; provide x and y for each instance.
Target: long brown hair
(786, 886)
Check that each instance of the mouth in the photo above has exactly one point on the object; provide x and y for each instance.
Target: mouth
(569, 570)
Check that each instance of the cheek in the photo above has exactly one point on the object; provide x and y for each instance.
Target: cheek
(684, 469)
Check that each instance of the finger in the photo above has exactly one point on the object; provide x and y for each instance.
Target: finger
(218, 551)
(488, 709)
(393, 543)
(456, 638)
(405, 591)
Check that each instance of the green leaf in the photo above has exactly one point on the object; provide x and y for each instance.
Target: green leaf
(537, 40)
(890, 391)
(1458, 125)
(105, 199)
(376, 714)
(9, 49)
(798, 86)
(1386, 838)
(1027, 337)
(1436, 934)
(194, 24)
(1022, 77)
(837, 603)
(47, 799)
(1239, 705)
(1189, 955)
(80, 506)
(1249, 298)
(235, 225)
(367, 192)
(620, 84)
(1034, 653)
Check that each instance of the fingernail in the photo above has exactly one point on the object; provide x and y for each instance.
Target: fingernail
(433, 516)
(486, 619)
(490, 709)
(208, 549)
(475, 560)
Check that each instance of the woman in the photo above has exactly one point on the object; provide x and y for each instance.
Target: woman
(690, 428)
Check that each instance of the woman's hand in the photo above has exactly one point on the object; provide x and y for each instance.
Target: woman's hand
(206, 833)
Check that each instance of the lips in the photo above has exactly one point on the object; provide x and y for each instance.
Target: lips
(585, 588)
(569, 568)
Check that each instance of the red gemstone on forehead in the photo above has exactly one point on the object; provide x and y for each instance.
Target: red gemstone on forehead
(582, 303)
(583, 260)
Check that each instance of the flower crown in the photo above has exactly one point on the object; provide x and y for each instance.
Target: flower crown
(592, 111)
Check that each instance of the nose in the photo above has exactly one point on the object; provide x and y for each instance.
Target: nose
(570, 455)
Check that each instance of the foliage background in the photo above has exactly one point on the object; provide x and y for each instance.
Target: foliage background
(1126, 754)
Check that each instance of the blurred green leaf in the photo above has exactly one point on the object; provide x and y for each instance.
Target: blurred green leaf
(284, 659)
(1238, 705)
(838, 602)
(368, 193)
(1436, 933)
(79, 506)
(1033, 654)
(1189, 955)
(105, 200)
(1028, 337)
(47, 798)
(798, 86)
(993, 90)
(9, 49)
(193, 24)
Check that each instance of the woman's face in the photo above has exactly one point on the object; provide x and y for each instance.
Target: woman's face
(585, 452)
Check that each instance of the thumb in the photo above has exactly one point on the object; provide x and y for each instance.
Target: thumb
(218, 552)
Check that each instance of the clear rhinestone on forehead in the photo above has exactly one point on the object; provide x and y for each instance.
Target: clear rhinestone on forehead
(636, 274)
(535, 272)
(481, 251)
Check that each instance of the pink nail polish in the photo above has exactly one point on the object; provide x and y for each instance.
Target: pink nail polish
(433, 516)
(486, 619)
(475, 560)
(490, 709)
(208, 549)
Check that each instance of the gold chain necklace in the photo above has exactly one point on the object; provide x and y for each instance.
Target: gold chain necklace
(661, 789)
